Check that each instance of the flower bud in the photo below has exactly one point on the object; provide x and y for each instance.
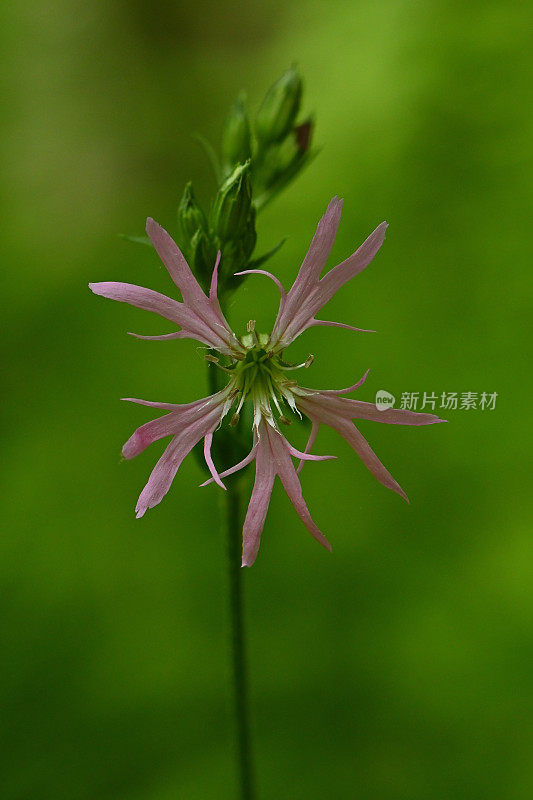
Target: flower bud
(236, 253)
(280, 107)
(202, 255)
(236, 137)
(191, 218)
(278, 161)
(232, 205)
(282, 161)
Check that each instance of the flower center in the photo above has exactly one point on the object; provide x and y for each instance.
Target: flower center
(262, 378)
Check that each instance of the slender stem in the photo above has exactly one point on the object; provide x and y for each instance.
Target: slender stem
(233, 524)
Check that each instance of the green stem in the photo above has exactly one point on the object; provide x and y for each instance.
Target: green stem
(233, 525)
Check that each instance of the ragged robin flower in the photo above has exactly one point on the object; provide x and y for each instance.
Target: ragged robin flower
(258, 374)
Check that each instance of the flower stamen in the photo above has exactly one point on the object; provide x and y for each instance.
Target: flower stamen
(214, 360)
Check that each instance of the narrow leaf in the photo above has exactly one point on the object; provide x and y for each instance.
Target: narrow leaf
(210, 154)
(258, 262)
(286, 178)
(136, 239)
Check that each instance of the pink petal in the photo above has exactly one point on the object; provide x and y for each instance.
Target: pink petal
(272, 456)
(151, 403)
(291, 484)
(244, 463)
(327, 402)
(282, 292)
(338, 325)
(192, 430)
(310, 442)
(160, 337)
(140, 297)
(209, 317)
(309, 272)
(393, 416)
(337, 413)
(349, 388)
(306, 456)
(193, 327)
(319, 250)
(181, 417)
(214, 280)
(209, 460)
(259, 501)
(174, 261)
(148, 433)
(161, 477)
(356, 440)
(187, 424)
(353, 265)
(272, 277)
(203, 403)
(308, 294)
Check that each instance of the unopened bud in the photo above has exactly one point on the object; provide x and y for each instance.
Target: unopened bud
(280, 161)
(202, 255)
(233, 203)
(236, 138)
(280, 107)
(191, 218)
(236, 252)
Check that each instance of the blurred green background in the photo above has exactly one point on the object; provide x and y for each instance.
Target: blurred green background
(399, 667)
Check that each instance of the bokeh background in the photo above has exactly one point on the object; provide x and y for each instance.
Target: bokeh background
(400, 666)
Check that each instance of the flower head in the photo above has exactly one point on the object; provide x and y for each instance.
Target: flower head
(256, 373)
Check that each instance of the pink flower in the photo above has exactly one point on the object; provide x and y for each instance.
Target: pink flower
(256, 373)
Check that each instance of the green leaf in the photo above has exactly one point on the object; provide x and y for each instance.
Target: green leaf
(211, 155)
(286, 177)
(136, 239)
(258, 262)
